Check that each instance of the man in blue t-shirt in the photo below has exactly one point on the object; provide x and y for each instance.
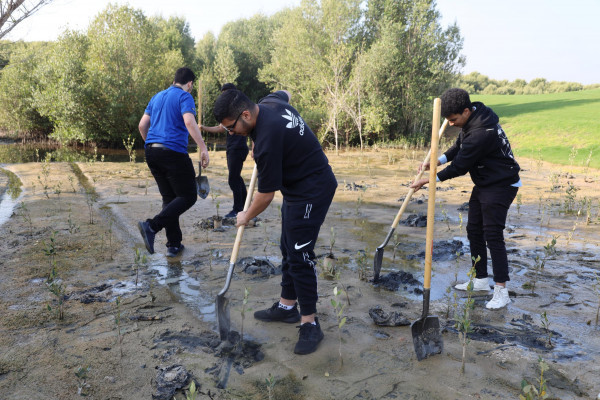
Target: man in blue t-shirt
(290, 159)
(167, 121)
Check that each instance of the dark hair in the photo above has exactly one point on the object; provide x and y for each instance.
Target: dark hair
(183, 75)
(454, 101)
(230, 104)
(227, 86)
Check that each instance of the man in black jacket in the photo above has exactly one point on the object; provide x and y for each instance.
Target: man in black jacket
(289, 158)
(483, 151)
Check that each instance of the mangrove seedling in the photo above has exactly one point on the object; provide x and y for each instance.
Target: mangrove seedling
(91, 198)
(329, 261)
(192, 392)
(72, 183)
(445, 217)
(56, 287)
(81, 373)
(338, 309)
(463, 318)
(118, 324)
(546, 326)
(50, 248)
(270, 383)
(243, 312)
(26, 215)
(362, 263)
(530, 391)
(596, 287)
(519, 204)
(139, 260)
(129, 145)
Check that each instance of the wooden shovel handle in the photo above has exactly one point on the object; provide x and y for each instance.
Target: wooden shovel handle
(240, 232)
(419, 175)
(437, 104)
(199, 118)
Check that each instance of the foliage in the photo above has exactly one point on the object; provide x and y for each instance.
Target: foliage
(476, 83)
(531, 392)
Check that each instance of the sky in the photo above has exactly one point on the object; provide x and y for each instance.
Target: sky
(504, 39)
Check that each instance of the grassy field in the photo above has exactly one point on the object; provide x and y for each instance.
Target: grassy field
(561, 128)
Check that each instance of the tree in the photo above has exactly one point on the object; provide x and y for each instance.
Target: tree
(12, 12)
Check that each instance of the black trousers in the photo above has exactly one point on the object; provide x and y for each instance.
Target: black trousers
(488, 208)
(174, 175)
(235, 162)
(300, 226)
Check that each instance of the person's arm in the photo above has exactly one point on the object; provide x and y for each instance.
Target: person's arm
(192, 126)
(260, 202)
(144, 126)
(213, 129)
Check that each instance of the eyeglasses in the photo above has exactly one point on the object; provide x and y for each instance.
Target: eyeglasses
(230, 127)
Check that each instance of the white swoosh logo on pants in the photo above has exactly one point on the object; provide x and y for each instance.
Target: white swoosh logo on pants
(302, 245)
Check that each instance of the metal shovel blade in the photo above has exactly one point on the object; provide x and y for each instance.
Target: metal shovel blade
(202, 185)
(222, 310)
(427, 338)
(377, 261)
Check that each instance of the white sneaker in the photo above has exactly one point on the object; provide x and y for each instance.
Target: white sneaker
(500, 298)
(478, 285)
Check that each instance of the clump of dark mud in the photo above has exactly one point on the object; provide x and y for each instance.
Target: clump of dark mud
(168, 380)
(100, 294)
(417, 220)
(354, 187)
(260, 267)
(383, 318)
(444, 250)
(395, 280)
(415, 199)
(231, 353)
(208, 223)
(464, 207)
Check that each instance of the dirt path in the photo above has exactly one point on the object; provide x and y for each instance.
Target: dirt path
(162, 333)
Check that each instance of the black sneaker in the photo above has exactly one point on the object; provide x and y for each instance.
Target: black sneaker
(310, 336)
(275, 313)
(148, 235)
(231, 214)
(175, 251)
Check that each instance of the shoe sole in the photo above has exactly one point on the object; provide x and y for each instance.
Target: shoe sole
(290, 320)
(176, 254)
(143, 233)
(310, 350)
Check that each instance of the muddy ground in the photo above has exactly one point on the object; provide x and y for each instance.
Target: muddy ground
(145, 328)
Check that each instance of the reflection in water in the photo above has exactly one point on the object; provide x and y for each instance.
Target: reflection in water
(7, 205)
(174, 275)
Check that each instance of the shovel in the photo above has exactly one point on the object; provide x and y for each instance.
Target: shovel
(202, 186)
(427, 338)
(379, 251)
(221, 302)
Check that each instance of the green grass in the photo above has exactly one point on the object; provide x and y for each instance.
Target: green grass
(551, 125)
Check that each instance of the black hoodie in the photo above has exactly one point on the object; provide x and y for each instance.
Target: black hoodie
(483, 151)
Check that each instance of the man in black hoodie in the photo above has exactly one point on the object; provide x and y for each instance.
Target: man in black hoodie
(483, 151)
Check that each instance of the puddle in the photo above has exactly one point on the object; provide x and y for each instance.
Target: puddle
(7, 206)
(188, 288)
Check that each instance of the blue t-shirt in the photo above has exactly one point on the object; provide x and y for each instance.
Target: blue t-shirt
(166, 111)
(288, 155)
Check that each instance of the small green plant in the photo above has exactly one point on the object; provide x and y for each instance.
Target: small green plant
(129, 145)
(26, 215)
(463, 317)
(50, 249)
(531, 392)
(56, 287)
(546, 325)
(120, 192)
(118, 324)
(338, 309)
(243, 312)
(139, 260)
(192, 392)
(329, 270)
(359, 202)
(445, 217)
(270, 384)
(72, 227)
(460, 222)
(72, 183)
(519, 203)
(331, 241)
(596, 286)
(81, 373)
(572, 231)
(58, 189)
(91, 198)
(46, 175)
(362, 263)
(570, 198)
